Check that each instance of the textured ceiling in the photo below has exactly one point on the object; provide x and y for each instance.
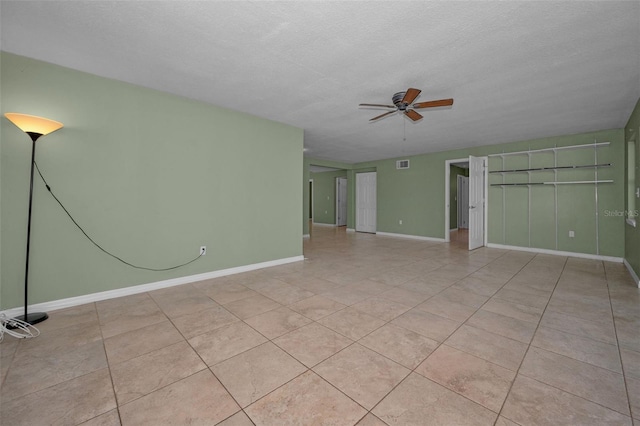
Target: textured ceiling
(517, 70)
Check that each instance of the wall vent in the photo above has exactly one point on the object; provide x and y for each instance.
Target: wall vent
(402, 164)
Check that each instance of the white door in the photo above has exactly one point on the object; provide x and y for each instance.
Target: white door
(463, 202)
(341, 201)
(366, 202)
(476, 202)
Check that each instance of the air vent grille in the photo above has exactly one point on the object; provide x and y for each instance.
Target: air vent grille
(402, 164)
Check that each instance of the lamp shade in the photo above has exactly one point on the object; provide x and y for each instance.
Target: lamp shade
(32, 124)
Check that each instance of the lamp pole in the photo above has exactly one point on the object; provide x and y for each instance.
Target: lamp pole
(34, 127)
(37, 317)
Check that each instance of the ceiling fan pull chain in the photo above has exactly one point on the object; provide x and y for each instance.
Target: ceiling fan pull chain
(404, 136)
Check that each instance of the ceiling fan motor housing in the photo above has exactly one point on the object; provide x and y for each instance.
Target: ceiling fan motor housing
(397, 101)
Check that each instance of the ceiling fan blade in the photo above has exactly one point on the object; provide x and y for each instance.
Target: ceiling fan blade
(382, 115)
(377, 105)
(410, 95)
(412, 115)
(432, 104)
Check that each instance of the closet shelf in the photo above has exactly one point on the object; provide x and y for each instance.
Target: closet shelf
(542, 169)
(554, 149)
(553, 183)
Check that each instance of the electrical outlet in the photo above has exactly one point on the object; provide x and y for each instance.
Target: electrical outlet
(400, 222)
(203, 250)
(572, 234)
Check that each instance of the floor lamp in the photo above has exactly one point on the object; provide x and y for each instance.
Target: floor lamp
(34, 127)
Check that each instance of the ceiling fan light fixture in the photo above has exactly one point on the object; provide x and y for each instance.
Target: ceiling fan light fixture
(397, 101)
(403, 103)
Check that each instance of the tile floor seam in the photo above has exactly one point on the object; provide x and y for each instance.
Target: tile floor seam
(573, 316)
(577, 335)
(225, 389)
(321, 378)
(378, 353)
(573, 394)
(208, 367)
(533, 337)
(13, 355)
(354, 340)
(324, 359)
(436, 348)
(270, 392)
(566, 269)
(227, 418)
(576, 359)
(113, 386)
(444, 343)
(615, 331)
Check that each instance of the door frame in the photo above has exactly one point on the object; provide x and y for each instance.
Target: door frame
(338, 195)
(459, 213)
(447, 196)
(311, 199)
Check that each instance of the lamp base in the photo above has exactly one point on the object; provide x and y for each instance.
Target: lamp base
(32, 318)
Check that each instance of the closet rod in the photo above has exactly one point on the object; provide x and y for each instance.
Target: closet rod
(586, 166)
(553, 183)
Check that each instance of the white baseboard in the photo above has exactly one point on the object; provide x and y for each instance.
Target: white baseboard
(324, 224)
(306, 236)
(453, 229)
(351, 230)
(557, 252)
(411, 237)
(632, 272)
(142, 288)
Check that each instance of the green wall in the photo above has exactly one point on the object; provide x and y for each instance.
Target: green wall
(453, 194)
(632, 235)
(324, 195)
(416, 196)
(150, 176)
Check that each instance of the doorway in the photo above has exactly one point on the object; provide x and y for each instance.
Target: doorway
(328, 206)
(466, 219)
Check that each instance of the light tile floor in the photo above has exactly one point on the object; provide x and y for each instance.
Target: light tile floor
(369, 330)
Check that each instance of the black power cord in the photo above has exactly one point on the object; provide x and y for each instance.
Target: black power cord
(98, 245)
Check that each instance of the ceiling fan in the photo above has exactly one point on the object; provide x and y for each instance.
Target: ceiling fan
(402, 102)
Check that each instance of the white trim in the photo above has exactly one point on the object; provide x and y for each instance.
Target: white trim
(142, 288)
(305, 236)
(311, 190)
(333, 225)
(454, 229)
(351, 230)
(337, 195)
(557, 252)
(486, 200)
(447, 190)
(411, 237)
(636, 280)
